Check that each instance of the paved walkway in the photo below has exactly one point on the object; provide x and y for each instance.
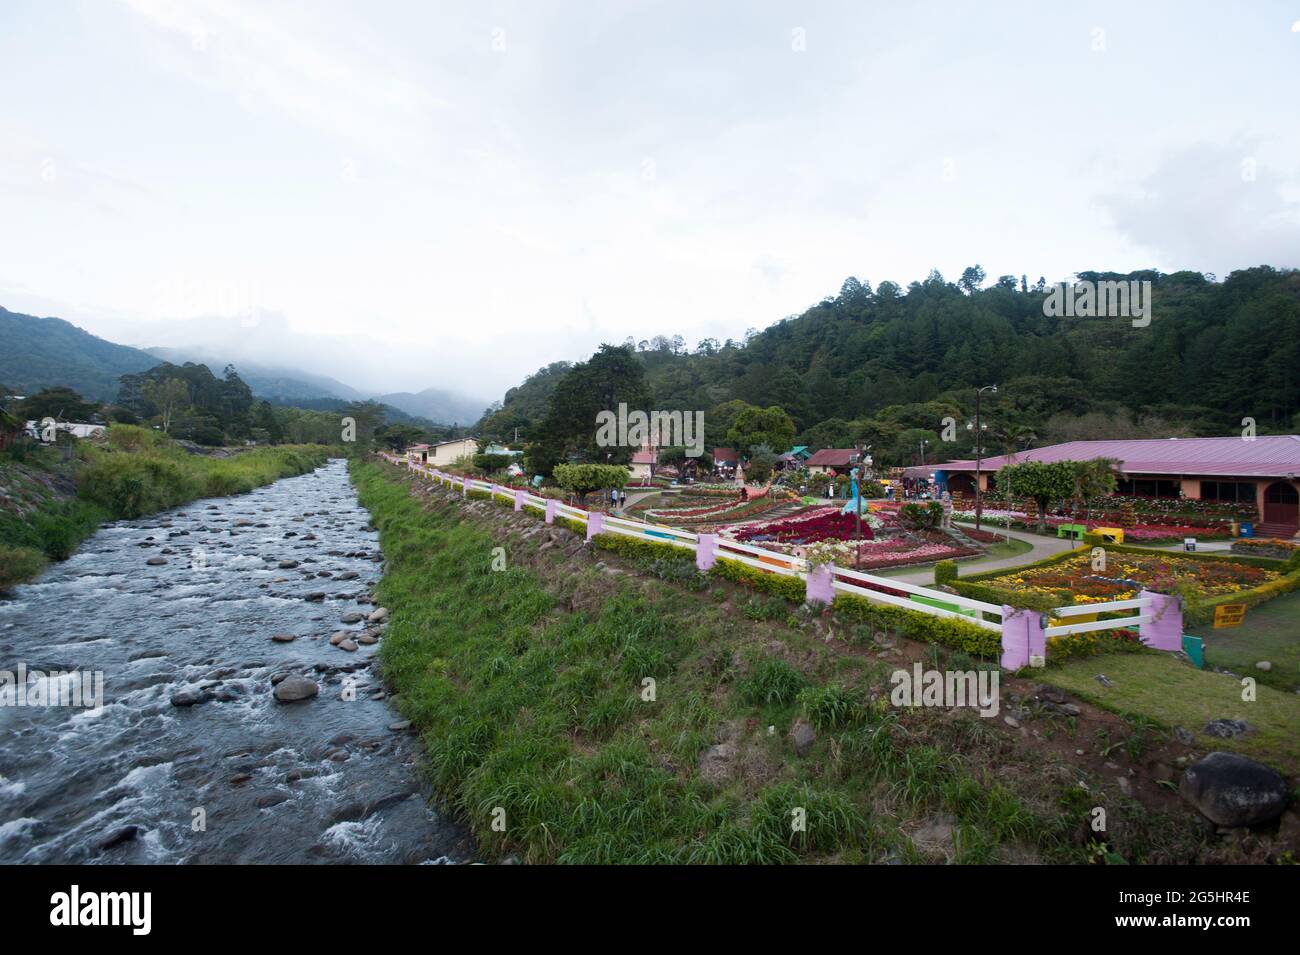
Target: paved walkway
(1040, 548)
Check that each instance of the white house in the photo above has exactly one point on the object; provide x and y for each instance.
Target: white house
(77, 429)
(443, 454)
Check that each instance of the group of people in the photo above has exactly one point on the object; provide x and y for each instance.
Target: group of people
(617, 498)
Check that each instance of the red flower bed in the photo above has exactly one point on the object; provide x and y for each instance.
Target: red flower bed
(817, 527)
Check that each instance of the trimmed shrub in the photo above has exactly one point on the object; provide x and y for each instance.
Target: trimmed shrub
(915, 625)
(945, 572)
(780, 585)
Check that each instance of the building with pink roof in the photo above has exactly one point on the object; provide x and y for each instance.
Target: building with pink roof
(1262, 469)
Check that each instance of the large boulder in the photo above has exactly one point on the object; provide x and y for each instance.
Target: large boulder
(1234, 791)
(294, 688)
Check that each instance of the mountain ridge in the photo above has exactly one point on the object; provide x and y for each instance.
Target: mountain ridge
(41, 352)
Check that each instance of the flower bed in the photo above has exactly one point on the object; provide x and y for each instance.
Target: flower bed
(719, 513)
(824, 523)
(1143, 532)
(1073, 580)
(1265, 547)
(909, 550)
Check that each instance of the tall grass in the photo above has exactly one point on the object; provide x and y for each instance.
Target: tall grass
(139, 474)
(138, 471)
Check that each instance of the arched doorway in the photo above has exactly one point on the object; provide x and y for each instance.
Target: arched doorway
(1281, 504)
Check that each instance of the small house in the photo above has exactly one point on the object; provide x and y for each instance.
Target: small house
(832, 461)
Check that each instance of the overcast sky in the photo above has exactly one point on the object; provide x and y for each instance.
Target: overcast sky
(414, 194)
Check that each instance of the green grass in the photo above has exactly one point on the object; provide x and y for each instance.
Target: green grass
(527, 689)
(1004, 549)
(1271, 632)
(1164, 691)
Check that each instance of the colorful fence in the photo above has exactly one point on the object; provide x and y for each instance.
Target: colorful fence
(1024, 632)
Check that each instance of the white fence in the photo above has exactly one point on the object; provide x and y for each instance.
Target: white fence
(1023, 632)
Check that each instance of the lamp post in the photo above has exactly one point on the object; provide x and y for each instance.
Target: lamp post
(979, 449)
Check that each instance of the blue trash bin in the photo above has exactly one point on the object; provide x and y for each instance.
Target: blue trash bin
(1247, 529)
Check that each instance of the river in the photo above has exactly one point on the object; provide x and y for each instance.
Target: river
(236, 777)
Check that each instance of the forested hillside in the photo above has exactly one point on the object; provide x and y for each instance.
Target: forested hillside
(886, 364)
(40, 352)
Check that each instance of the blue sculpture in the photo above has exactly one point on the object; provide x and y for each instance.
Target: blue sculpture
(854, 505)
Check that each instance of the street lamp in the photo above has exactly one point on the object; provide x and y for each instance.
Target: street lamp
(979, 448)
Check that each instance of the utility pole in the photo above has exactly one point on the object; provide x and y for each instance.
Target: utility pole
(979, 450)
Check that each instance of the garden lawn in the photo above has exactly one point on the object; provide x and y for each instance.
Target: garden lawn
(1270, 632)
(1171, 693)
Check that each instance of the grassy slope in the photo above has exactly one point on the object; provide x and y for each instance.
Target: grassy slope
(526, 683)
(1170, 692)
(49, 502)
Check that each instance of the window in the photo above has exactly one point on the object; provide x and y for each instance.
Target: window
(1148, 487)
(1232, 492)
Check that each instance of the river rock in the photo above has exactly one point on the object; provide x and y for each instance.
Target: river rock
(348, 575)
(191, 697)
(1234, 791)
(339, 637)
(284, 637)
(351, 617)
(368, 638)
(295, 688)
(400, 725)
(287, 564)
(378, 616)
(316, 596)
(156, 561)
(348, 645)
(119, 836)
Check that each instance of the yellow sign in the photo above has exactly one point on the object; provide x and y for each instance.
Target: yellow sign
(1229, 615)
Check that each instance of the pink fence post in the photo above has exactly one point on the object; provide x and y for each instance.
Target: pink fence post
(1022, 637)
(820, 585)
(706, 551)
(519, 500)
(551, 505)
(1165, 631)
(595, 523)
(464, 483)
